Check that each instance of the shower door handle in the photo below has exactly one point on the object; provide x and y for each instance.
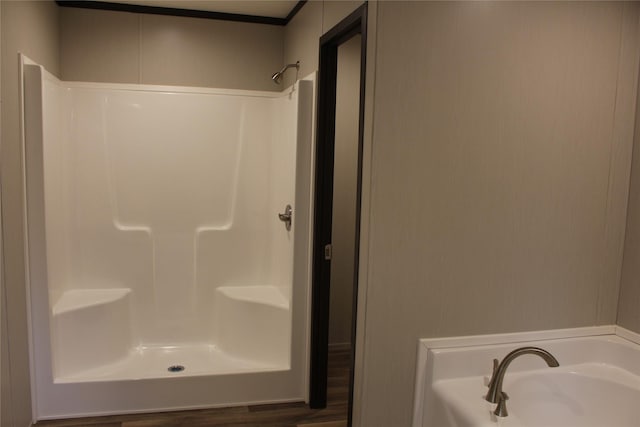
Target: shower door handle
(286, 217)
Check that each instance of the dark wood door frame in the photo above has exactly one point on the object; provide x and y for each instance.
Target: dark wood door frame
(355, 23)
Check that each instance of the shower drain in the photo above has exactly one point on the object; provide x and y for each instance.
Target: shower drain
(175, 368)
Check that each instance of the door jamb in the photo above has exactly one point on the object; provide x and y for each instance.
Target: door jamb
(355, 23)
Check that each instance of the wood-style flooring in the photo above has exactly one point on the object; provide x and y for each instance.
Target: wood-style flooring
(279, 415)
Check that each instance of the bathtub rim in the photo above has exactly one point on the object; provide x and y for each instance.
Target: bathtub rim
(426, 346)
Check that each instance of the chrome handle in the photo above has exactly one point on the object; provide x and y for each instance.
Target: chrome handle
(493, 373)
(286, 217)
(501, 409)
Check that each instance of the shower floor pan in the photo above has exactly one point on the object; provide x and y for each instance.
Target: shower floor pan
(93, 340)
(157, 362)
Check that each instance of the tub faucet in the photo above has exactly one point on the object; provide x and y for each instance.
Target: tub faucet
(495, 393)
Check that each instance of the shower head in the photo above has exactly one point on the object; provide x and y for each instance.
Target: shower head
(277, 77)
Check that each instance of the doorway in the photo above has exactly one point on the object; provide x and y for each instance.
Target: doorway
(338, 188)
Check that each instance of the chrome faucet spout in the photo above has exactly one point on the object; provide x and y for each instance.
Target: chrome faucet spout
(495, 393)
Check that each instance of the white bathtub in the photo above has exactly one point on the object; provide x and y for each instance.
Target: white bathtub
(596, 385)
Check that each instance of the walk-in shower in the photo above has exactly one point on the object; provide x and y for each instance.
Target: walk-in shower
(161, 276)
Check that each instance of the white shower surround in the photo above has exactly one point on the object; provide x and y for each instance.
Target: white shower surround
(153, 240)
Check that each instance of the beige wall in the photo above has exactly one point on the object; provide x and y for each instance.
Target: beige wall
(629, 302)
(152, 49)
(344, 191)
(4, 371)
(30, 27)
(302, 34)
(501, 153)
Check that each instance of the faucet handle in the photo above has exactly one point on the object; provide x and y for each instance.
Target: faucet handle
(501, 408)
(496, 362)
(286, 217)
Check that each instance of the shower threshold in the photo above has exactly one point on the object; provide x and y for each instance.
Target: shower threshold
(147, 362)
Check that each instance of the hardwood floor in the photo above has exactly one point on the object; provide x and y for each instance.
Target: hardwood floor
(279, 415)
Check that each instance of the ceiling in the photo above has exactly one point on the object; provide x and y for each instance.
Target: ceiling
(270, 8)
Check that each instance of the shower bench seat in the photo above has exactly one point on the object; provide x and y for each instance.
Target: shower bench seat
(91, 327)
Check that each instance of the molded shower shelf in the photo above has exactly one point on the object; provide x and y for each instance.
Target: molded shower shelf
(269, 295)
(84, 298)
(253, 323)
(91, 328)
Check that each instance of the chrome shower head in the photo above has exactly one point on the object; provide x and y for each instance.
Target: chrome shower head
(277, 77)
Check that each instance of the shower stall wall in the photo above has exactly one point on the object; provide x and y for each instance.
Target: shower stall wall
(160, 274)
